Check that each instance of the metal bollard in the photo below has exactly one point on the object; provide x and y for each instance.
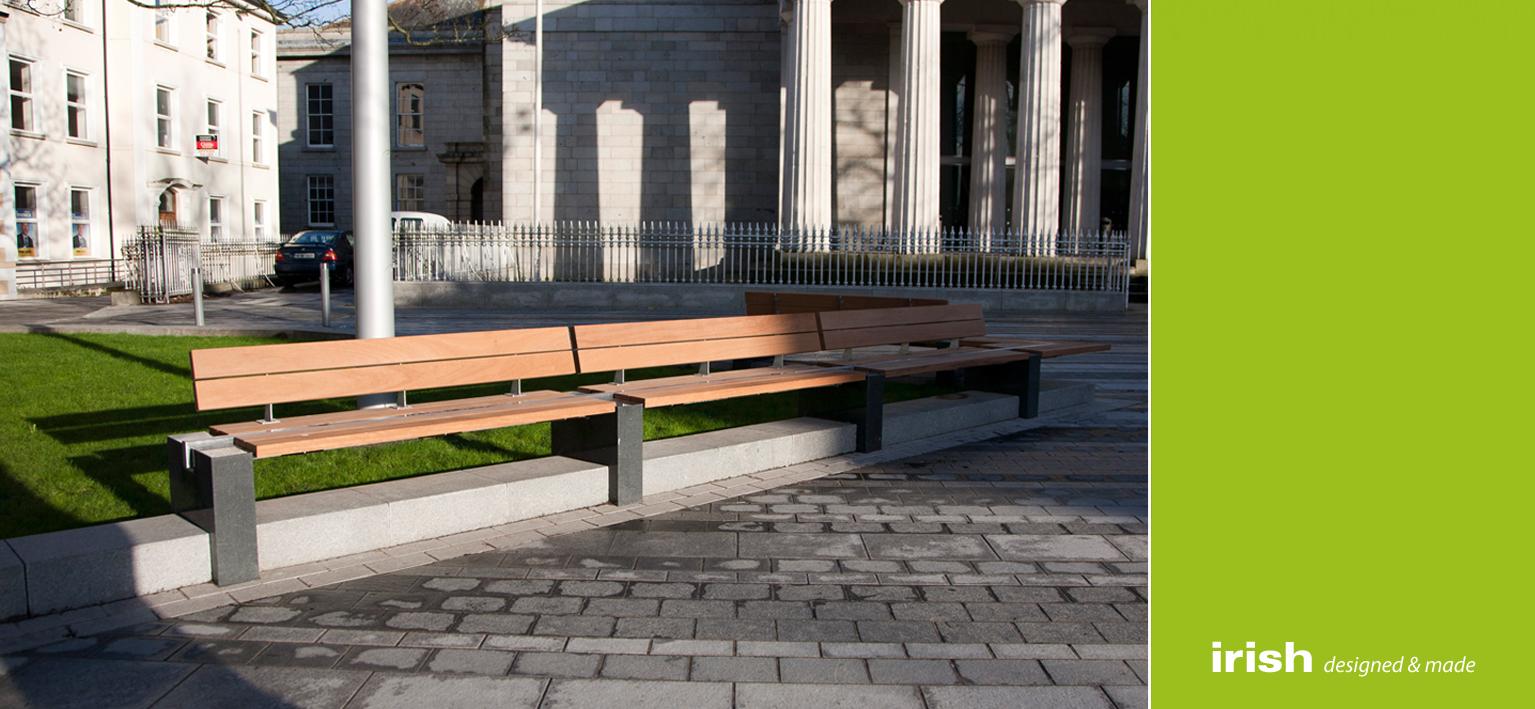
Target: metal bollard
(197, 295)
(325, 294)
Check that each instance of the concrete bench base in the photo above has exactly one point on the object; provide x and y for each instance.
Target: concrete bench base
(47, 573)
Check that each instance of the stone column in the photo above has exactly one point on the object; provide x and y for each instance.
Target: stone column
(1036, 210)
(1084, 130)
(988, 142)
(1140, 166)
(808, 119)
(917, 172)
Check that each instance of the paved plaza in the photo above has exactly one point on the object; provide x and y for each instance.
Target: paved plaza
(1008, 571)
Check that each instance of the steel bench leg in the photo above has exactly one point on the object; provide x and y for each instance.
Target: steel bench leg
(838, 404)
(213, 485)
(871, 428)
(1019, 378)
(615, 440)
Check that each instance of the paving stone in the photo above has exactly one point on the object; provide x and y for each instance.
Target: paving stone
(478, 662)
(523, 642)
(451, 584)
(1138, 612)
(494, 623)
(737, 591)
(1081, 612)
(574, 625)
(1014, 697)
(622, 607)
(692, 647)
(459, 640)
(817, 631)
(252, 687)
(953, 594)
(658, 667)
(476, 604)
(387, 691)
(873, 567)
(1128, 697)
(823, 670)
(218, 652)
(957, 632)
(1094, 672)
(911, 672)
(698, 609)
(547, 605)
(809, 593)
(1005, 611)
(802, 546)
(1001, 672)
(936, 650)
(774, 609)
(1065, 633)
(771, 648)
(1102, 594)
(929, 611)
(280, 634)
(299, 655)
(1027, 594)
(413, 620)
(605, 646)
(263, 615)
(1035, 651)
(403, 659)
(636, 694)
(930, 546)
(662, 590)
(556, 664)
(878, 631)
(863, 649)
(1123, 633)
(345, 619)
(520, 587)
(654, 628)
(733, 629)
(132, 648)
(591, 588)
(841, 610)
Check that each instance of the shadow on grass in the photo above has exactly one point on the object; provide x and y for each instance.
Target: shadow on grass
(119, 354)
(22, 510)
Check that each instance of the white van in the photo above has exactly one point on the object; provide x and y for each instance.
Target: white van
(415, 221)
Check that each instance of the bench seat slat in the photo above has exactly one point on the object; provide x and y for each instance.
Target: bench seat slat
(899, 365)
(694, 393)
(325, 384)
(1045, 348)
(337, 354)
(682, 352)
(409, 426)
(249, 427)
(699, 329)
(643, 384)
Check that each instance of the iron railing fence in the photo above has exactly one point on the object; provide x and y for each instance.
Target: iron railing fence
(763, 254)
(160, 262)
(68, 274)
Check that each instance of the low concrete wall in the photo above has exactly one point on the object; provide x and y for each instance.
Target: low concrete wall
(47, 573)
(718, 297)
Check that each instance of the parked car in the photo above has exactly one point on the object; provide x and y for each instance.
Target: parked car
(417, 220)
(299, 259)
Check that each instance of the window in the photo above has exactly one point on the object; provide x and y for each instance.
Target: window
(322, 116)
(258, 219)
(74, 105)
(215, 218)
(164, 119)
(322, 200)
(407, 108)
(215, 119)
(212, 32)
(80, 221)
(163, 22)
(256, 65)
(257, 120)
(26, 221)
(74, 12)
(410, 193)
(21, 94)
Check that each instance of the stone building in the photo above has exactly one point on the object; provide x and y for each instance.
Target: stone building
(883, 113)
(106, 101)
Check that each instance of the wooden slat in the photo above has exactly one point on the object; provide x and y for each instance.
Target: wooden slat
(760, 303)
(808, 302)
(881, 317)
(671, 396)
(861, 302)
(649, 333)
(607, 359)
(343, 435)
(897, 334)
(1045, 348)
(897, 356)
(285, 422)
(940, 361)
(306, 386)
(338, 354)
(642, 384)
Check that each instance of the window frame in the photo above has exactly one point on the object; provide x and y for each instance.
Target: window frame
(79, 18)
(165, 123)
(35, 219)
(80, 227)
(329, 117)
(327, 184)
(400, 115)
(80, 107)
(257, 54)
(258, 135)
(213, 123)
(27, 96)
(164, 30)
(258, 219)
(213, 26)
(215, 218)
(416, 203)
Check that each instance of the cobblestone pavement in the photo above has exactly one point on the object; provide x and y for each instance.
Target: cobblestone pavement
(1009, 573)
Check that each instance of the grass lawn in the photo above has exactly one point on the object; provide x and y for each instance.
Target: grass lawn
(83, 421)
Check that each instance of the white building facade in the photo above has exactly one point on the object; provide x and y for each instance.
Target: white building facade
(106, 104)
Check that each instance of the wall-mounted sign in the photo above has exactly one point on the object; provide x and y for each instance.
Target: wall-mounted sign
(207, 144)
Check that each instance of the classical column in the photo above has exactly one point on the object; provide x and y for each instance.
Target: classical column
(988, 141)
(1084, 130)
(808, 119)
(1036, 211)
(917, 172)
(1140, 166)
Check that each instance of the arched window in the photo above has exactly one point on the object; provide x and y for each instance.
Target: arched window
(168, 207)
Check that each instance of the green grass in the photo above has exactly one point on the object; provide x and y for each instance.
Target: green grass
(83, 421)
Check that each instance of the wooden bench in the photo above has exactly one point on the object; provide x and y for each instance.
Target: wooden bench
(768, 303)
(620, 346)
(1010, 371)
(212, 473)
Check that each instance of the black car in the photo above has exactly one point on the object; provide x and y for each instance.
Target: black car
(300, 258)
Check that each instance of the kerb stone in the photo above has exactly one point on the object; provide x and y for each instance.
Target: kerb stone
(108, 562)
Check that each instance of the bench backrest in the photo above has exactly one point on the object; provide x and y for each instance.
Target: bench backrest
(765, 303)
(305, 371)
(615, 346)
(846, 329)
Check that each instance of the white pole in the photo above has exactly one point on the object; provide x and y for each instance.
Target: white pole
(538, 111)
(372, 268)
